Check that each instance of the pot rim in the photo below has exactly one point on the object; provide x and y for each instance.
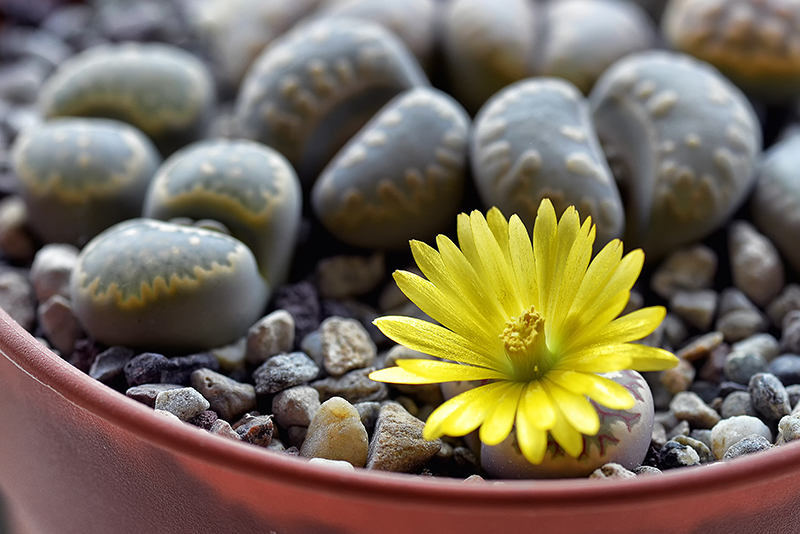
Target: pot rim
(78, 388)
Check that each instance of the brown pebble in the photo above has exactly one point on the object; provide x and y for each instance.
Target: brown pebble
(701, 347)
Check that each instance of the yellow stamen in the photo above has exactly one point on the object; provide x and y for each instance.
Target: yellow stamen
(524, 342)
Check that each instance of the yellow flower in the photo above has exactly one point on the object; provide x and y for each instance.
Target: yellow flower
(536, 322)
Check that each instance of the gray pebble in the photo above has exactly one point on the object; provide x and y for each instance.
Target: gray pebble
(227, 397)
(740, 324)
(788, 300)
(688, 406)
(341, 277)
(673, 455)
(737, 403)
(354, 386)
(747, 445)
(16, 241)
(790, 338)
(59, 323)
(764, 344)
(701, 347)
(184, 403)
(223, 428)
(681, 429)
(732, 299)
(695, 307)
(255, 429)
(769, 397)
(231, 357)
(16, 298)
(788, 429)
(272, 335)
(612, 471)
(755, 263)
(740, 366)
(284, 371)
(336, 433)
(702, 435)
(110, 364)
(296, 436)
(678, 378)
(397, 443)
(686, 269)
(675, 331)
(51, 270)
(794, 393)
(346, 345)
(369, 414)
(787, 368)
(729, 431)
(647, 470)
(295, 406)
(703, 451)
(659, 436)
(147, 393)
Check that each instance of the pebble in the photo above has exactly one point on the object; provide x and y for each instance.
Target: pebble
(740, 324)
(369, 414)
(301, 300)
(701, 347)
(678, 378)
(204, 419)
(397, 443)
(733, 299)
(355, 387)
(342, 277)
(659, 436)
(695, 307)
(255, 429)
(673, 455)
(706, 390)
(336, 465)
(647, 470)
(223, 428)
(790, 338)
(747, 445)
(741, 366)
(167, 415)
(295, 406)
(686, 269)
(794, 393)
(787, 368)
(612, 471)
(184, 403)
(703, 436)
(703, 451)
(675, 331)
(786, 301)
(231, 357)
(145, 368)
(59, 324)
(788, 429)
(110, 364)
(180, 368)
(51, 270)
(769, 397)
(755, 263)
(147, 393)
(713, 369)
(336, 433)
(227, 397)
(346, 345)
(296, 435)
(16, 298)
(737, 403)
(688, 406)
(272, 335)
(731, 430)
(764, 344)
(16, 241)
(681, 429)
(284, 371)
(727, 387)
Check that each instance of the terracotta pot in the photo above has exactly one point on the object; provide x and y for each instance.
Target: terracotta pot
(78, 457)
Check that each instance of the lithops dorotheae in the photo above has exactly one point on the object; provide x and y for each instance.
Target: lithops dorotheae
(161, 89)
(248, 187)
(161, 286)
(756, 43)
(490, 44)
(775, 204)
(683, 141)
(400, 177)
(535, 139)
(413, 21)
(313, 88)
(80, 176)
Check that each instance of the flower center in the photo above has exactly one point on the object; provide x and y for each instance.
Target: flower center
(524, 341)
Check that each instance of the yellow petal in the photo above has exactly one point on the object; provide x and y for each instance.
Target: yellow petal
(538, 407)
(633, 326)
(582, 329)
(460, 415)
(398, 375)
(523, 262)
(438, 371)
(500, 419)
(600, 359)
(466, 242)
(499, 227)
(577, 409)
(565, 435)
(532, 440)
(545, 251)
(435, 340)
(497, 271)
(599, 272)
(600, 389)
(651, 358)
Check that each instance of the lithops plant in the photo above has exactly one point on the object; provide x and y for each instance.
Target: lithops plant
(489, 45)
(248, 187)
(80, 176)
(161, 89)
(756, 43)
(535, 139)
(683, 141)
(400, 177)
(413, 21)
(775, 204)
(160, 286)
(313, 88)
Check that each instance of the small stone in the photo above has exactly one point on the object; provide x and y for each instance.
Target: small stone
(673, 455)
(302, 302)
(733, 299)
(704, 389)
(741, 366)
(747, 445)
(184, 403)
(146, 368)
(51, 270)
(727, 387)
(397, 443)
(793, 390)
(255, 429)
(473, 479)
(787, 368)
(336, 433)
(681, 429)
(147, 393)
(703, 436)
(675, 331)
(231, 357)
(790, 337)
(16, 299)
(703, 451)
(695, 307)
(83, 354)
(701, 347)
(342, 277)
(369, 414)
(227, 397)
(312, 346)
(336, 465)
(788, 429)
(740, 324)
(276, 445)
(768, 396)
(738, 403)
(788, 300)
(355, 387)
(272, 335)
(713, 369)
(295, 406)
(284, 371)
(689, 268)
(764, 344)
(688, 406)
(59, 324)
(612, 471)
(204, 419)
(223, 428)
(16, 241)
(678, 378)
(296, 435)
(729, 431)
(647, 470)
(755, 263)
(167, 415)
(179, 369)
(110, 364)
(659, 437)
(346, 345)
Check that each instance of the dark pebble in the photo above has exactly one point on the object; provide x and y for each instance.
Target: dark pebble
(302, 301)
(255, 429)
(674, 455)
(707, 391)
(147, 393)
(110, 364)
(794, 394)
(83, 354)
(727, 387)
(790, 336)
(204, 419)
(146, 368)
(787, 368)
(747, 445)
(179, 370)
(768, 396)
(284, 371)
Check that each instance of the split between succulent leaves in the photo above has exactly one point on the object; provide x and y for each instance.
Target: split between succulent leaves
(536, 321)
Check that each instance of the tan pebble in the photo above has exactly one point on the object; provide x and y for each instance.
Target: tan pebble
(336, 433)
